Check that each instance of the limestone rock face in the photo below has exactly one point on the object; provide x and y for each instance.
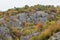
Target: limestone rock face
(17, 21)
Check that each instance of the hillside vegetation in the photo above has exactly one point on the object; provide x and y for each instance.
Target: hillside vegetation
(36, 22)
(27, 9)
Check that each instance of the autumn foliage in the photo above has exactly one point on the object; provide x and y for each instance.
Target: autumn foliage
(39, 25)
